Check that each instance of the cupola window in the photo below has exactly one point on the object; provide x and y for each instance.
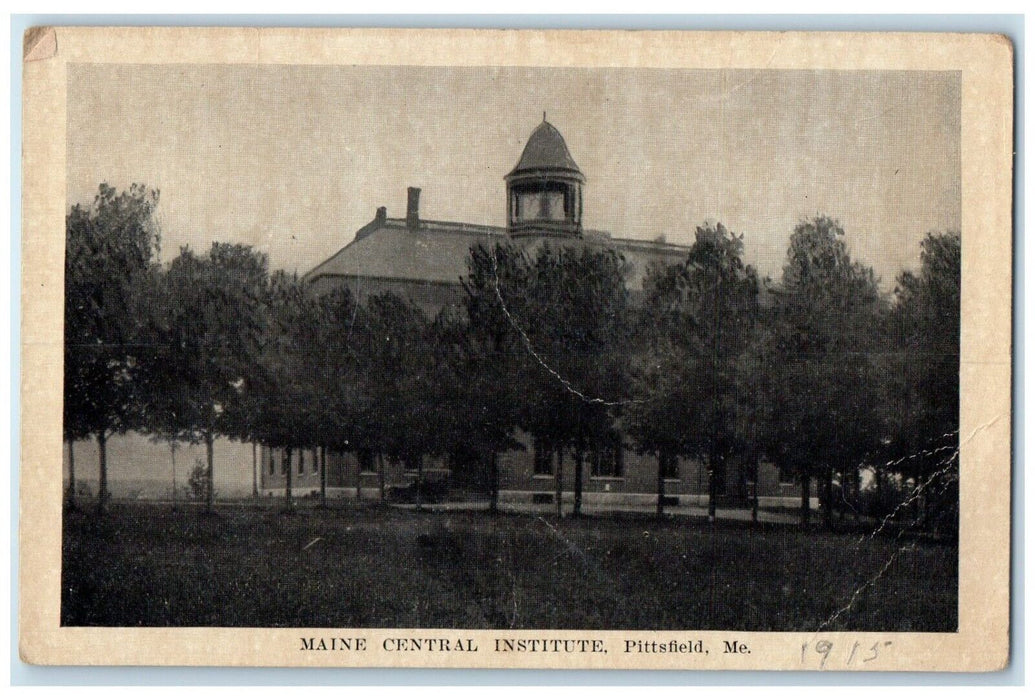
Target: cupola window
(551, 202)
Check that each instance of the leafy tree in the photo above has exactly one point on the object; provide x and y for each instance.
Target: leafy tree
(824, 378)
(336, 373)
(211, 323)
(468, 399)
(755, 393)
(654, 419)
(566, 309)
(697, 320)
(922, 387)
(488, 357)
(197, 482)
(109, 249)
(286, 385)
(399, 420)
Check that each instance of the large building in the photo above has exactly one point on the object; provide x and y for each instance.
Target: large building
(424, 261)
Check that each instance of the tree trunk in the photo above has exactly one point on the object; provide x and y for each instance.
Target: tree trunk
(805, 499)
(661, 486)
(856, 493)
(576, 510)
(878, 476)
(381, 477)
(712, 488)
(828, 498)
(420, 483)
(921, 500)
(71, 475)
(102, 490)
(172, 458)
(287, 479)
(842, 499)
(359, 475)
(323, 477)
(255, 471)
(558, 495)
(494, 477)
(210, 477)
(754, 492)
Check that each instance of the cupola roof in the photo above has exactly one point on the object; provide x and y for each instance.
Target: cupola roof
(545, 152)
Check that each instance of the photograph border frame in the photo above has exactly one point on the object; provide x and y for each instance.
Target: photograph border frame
(1016, 250)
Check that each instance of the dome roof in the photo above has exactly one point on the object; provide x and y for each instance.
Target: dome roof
(547, 151)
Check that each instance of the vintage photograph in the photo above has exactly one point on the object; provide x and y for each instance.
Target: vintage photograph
(513, 348)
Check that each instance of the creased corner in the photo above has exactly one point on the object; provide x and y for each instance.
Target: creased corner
(40, 44)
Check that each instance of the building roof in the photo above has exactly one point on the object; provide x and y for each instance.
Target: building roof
(545, 151)
(438, 251)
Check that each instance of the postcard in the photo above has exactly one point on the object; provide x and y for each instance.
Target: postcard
(516, 349)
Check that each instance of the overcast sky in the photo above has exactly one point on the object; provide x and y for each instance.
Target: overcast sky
(294, 159)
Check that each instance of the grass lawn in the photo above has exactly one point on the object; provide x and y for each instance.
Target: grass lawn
(371, 566)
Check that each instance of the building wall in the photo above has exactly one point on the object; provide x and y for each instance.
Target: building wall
(141, 466)
(517, 477)
(639, 476)
(345, 473)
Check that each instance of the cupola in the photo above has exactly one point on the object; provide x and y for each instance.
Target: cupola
(544, 190)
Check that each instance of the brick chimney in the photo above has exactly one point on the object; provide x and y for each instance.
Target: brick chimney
(382, 215)
(412, 207)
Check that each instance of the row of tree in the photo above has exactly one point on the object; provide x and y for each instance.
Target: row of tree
(819, 373)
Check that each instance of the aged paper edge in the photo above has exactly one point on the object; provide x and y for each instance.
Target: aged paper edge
(986, 66)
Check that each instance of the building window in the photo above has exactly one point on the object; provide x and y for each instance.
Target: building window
(543, 461)
(787, 474)
(669, 465)
(549, 202)
(316, 460)
(412, 463)
(273, 462)
(285, 462)
(301, 462)
(608, 461)
(527, 206)
(552, 205)
(366, 461)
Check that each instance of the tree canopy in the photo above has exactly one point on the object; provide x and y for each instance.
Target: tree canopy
(819, 372)
(110, 247)
(696, 320)
(208, 327)
(825, 377)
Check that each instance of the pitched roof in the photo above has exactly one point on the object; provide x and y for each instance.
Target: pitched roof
(438, 251)
(545, 150)
(435, 252)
